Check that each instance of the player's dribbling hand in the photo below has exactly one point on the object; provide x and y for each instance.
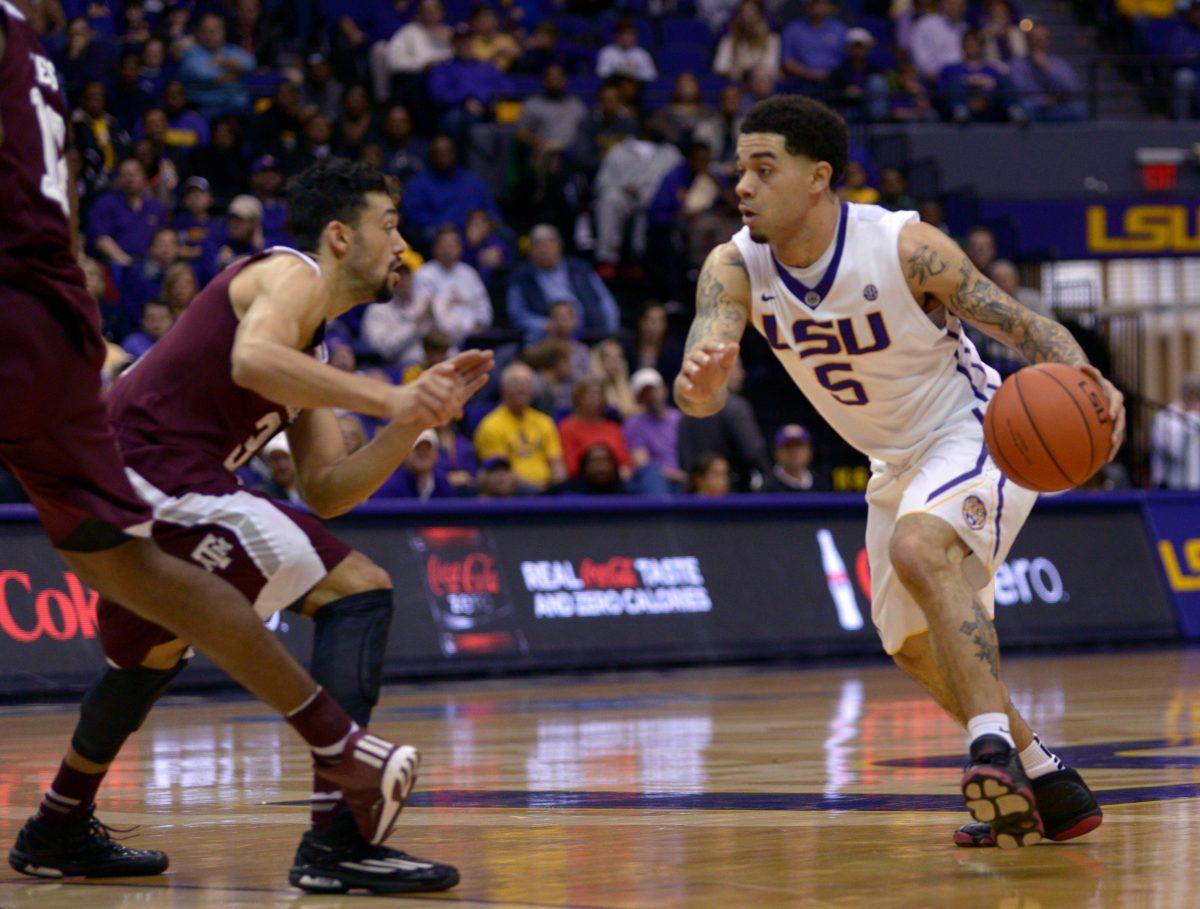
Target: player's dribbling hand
(706, 370)
(1116, 407)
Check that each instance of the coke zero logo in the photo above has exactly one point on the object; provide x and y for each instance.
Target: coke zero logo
(59, 615)
(475, 573)
(615, 574)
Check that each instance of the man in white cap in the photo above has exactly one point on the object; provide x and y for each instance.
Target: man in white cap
(653, 435)
(242, 233)
(283, 483)
(418, 477)
(859, 88)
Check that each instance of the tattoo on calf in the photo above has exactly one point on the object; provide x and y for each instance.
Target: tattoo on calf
(983, 635)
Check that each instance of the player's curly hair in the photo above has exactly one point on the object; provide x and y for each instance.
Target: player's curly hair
(332, 190)
(808, 127)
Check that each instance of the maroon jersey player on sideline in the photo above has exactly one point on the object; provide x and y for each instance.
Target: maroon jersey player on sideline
(57, 443)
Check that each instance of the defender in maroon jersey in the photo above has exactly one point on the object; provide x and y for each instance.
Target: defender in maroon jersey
(244, 362)
(56, 441)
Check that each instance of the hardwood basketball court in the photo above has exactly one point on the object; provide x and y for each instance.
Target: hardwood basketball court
(700, 788)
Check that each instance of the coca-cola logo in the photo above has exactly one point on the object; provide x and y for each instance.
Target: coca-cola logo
(615, 574)
(59, 615)
(474, 574)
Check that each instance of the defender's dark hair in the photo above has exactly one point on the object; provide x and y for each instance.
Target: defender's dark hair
(808, 127)
(332, 190)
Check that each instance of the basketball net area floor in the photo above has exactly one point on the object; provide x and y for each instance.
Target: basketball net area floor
(698, 788)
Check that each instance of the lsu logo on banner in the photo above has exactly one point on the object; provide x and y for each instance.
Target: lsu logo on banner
(1183, 576)
(1144, 229)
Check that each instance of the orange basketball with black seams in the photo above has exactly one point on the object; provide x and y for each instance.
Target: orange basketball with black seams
(1048, 427)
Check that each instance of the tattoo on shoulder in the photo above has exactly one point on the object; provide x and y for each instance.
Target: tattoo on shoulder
(925, 263)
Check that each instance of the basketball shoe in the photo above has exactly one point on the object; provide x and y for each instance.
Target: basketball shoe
(1066, 804)
(997, 792)
(81, 849)
(375, 778)
(338, 858)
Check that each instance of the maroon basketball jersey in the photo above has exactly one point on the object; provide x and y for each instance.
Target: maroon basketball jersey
(182, 422)
(35, 235)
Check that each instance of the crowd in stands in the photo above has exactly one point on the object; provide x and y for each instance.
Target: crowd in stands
(563, 168)
(1164, 38)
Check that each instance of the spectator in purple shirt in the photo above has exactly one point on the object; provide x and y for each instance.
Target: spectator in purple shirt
(464, 89)
(156, 319)
(653, 435)
(266, 185)
(446, 193)
(124, 220)
(1047, 87)
(188, 130)
(973, 90)
(1184, 50)
(142, 282)
(814, 46)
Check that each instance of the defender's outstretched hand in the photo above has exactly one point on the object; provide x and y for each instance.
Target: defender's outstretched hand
(473, 368)
(706, 370)
(437, 396)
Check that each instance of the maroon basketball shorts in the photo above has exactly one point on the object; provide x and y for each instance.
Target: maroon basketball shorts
(273, 554)
(54, 433)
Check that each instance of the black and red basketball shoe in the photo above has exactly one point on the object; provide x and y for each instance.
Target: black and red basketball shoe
(997, 792)
(1066, 804)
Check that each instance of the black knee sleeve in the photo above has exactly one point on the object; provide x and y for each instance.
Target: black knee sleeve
(115, 707)
(348, 649)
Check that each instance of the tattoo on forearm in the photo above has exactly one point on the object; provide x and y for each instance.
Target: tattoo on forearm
(1041, 340)
(925, 263)
(983, 635)
(718, 318)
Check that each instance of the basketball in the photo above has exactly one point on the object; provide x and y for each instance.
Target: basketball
(1048, 427)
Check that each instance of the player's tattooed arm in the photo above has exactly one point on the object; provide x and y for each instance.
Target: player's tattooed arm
(722, 304)
(936, 268)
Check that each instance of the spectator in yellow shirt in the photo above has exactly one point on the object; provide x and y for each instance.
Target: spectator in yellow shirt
(527, 437)
(488, 42)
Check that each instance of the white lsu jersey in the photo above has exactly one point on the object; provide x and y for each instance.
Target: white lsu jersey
(859, 345)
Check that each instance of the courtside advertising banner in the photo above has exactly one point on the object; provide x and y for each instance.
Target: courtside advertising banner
(632, 585)
(1175, 522)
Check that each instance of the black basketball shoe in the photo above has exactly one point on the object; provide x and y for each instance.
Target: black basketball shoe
(82, 849)
(339, 858)
(997, 792)
(1066, 804)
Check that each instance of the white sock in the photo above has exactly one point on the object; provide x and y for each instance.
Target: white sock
(990, 724)
(1038, 760)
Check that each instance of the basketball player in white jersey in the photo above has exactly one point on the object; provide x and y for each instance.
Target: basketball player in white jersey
(864, 307)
